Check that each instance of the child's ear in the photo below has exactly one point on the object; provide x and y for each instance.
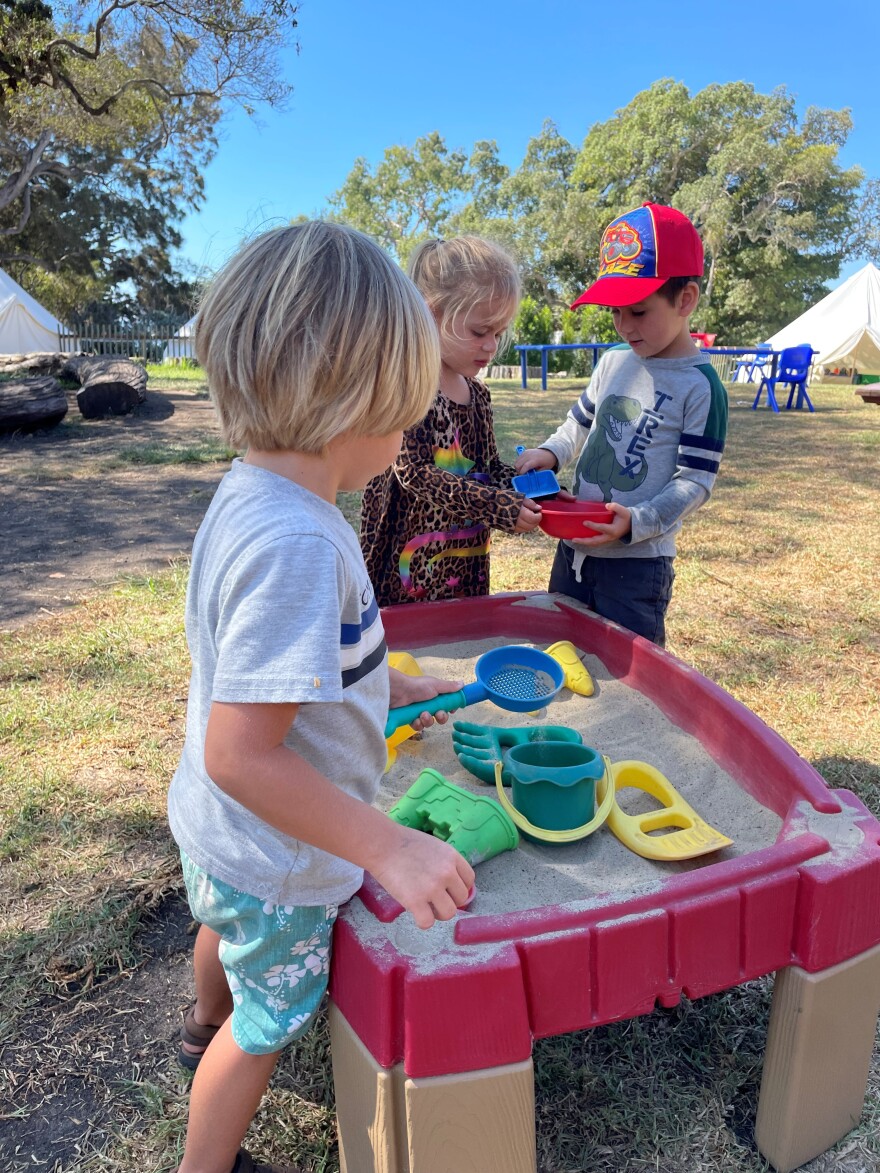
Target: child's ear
(689, 299)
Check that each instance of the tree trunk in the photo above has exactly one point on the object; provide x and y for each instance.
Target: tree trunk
(47, 362)
(31, 403)
(108, 385)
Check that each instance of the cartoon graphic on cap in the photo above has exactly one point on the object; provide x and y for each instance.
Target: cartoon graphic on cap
(621, 244)
(640, 250)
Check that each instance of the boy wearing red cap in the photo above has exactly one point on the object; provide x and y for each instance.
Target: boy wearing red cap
(648, 432)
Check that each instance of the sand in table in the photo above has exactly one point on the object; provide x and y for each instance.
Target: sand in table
(621, 723)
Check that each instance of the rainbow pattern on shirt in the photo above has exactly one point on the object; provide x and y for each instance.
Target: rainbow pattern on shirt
(453, 459)
(405, 562)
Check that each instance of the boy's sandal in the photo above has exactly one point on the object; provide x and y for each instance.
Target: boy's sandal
(195, 1035)
(245, 1163)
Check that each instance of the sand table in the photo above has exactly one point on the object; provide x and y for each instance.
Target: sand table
(619, 722)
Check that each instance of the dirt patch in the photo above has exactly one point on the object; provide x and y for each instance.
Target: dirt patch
(79, 513)
(74, 1062)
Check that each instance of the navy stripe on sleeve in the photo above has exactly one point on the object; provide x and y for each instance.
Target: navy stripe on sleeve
(691, 440)
(583, 412)
(698, 462)
(368, 664)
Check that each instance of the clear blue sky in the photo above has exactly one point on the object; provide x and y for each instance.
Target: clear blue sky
(372, 74)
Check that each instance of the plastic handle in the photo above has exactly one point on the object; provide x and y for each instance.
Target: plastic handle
(406, 714)
(604, 785)
(520, 449)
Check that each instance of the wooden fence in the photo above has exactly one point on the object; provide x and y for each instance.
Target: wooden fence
(149, 343)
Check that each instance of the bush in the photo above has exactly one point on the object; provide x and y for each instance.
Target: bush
(533, 323)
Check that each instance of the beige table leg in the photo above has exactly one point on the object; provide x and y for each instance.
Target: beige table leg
(818, 1054)
(473, 1122)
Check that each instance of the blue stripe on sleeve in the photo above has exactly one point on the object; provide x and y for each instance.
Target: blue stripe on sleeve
(580, 416)
(351, 632)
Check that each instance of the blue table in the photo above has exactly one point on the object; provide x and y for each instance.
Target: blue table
(546, 347)
(771, 356)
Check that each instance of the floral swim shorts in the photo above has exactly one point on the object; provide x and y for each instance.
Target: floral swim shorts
(276, 958)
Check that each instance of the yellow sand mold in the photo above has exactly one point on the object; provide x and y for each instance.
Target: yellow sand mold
(577, 678)
(693, 835)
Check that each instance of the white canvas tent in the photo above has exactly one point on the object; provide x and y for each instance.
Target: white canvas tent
(183, 344)
(25, 326)
(843, 328)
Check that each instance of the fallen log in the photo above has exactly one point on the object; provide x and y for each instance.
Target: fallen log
(44, 362)
(31, 403)
(109, 385)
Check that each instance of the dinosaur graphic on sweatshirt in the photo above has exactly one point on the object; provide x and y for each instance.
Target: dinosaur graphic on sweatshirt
(598, 463)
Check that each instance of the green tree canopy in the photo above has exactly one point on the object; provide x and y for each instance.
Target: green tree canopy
(108, 117)
(407, 197)
(772, 204)
(777, 211)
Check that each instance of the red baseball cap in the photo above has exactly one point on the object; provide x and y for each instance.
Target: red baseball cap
(640, 250)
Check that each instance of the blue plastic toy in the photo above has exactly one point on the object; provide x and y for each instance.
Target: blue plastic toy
(513, 677)
(538, 482)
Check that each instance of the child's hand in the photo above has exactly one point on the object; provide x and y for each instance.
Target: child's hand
(535, 458)
(529, 517)
(408, 690)
(427, 876)
(611, 531)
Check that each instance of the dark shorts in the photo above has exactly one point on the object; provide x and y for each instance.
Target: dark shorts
(633, 592)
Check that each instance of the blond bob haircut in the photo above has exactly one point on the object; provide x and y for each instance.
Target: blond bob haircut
(310, 331)
(456, 275)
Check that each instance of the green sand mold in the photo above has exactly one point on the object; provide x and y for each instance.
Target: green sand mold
(475, 825)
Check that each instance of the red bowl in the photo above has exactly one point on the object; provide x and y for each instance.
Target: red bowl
(565, 519)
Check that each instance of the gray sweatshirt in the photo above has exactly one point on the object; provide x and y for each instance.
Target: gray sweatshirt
(648, 433)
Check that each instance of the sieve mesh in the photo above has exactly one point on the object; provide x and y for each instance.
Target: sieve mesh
(520, 683)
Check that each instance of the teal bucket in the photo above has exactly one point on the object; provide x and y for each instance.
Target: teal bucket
(553, 783)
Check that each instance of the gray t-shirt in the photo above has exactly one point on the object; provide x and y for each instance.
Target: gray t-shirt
(280, 609)
(649, 433)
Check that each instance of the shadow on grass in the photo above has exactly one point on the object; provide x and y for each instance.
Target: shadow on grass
(658, 1091)
(855, 774)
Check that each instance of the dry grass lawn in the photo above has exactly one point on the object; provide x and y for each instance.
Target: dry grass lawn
(776, 598)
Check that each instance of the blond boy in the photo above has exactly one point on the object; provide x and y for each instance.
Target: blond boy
(319, 352)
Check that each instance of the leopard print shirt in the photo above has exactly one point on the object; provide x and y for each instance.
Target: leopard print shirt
(425, 521)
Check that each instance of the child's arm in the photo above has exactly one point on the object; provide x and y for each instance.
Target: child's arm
(465, 499)
(536, 459)
(612, 531)
(245, 755)
(566, 441)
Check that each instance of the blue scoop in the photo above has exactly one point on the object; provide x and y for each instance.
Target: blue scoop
(538, 482)
(513, 677)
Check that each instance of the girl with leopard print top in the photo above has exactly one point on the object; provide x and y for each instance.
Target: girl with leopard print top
(426, 521)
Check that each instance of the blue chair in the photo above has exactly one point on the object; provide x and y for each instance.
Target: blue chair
(753, 364)
(793, 368)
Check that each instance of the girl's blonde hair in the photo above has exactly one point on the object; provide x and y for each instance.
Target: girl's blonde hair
(455, 275)
(309, 331)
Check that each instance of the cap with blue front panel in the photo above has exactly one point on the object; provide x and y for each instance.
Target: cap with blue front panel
(640, 251)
